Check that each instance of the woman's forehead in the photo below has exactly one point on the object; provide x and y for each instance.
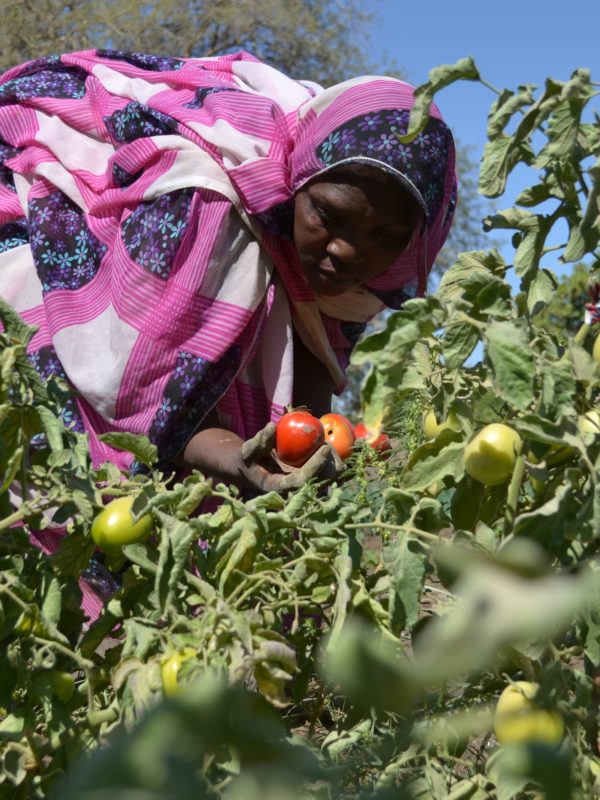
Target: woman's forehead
(363, 194)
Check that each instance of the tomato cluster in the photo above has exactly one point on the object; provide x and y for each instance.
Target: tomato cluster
(299, 435)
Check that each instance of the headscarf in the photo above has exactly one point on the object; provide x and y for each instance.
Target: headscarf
(144, 228)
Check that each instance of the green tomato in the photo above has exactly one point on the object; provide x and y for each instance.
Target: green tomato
(596, 349)
(431, 427)
(589, 422)
(169, 670)
(519, 720)
(491, 454)
(114, 527)
(63, 684)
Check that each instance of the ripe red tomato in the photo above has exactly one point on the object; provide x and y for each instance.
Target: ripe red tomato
(298, 436)
(339, 433)
(380, 443)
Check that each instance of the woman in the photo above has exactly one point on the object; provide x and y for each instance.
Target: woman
(201, 241)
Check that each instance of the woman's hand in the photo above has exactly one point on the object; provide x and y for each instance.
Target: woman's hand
(265, 471)
(223, 455)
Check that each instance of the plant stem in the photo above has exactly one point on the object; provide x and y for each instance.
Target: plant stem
(489, 86)
(512, 501)
(404, 528)
(582, 333)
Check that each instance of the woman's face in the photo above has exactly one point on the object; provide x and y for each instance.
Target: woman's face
(349, 228)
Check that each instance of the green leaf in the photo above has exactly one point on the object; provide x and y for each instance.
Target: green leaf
(512, 363)
(434, 461)
(534, 195)
(506, 106)
(500, 156)
(471, 274)
(140, 446)
(458, 342)
(52, 599)
(406, 562)
(439, 78)
(540, 291)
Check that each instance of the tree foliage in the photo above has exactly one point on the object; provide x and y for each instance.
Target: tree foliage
(324, 42)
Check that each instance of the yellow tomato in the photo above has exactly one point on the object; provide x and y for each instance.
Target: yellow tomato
(590, 422)
(431, 427)
(114, 527)
(169, 670)
(519, 720)
(491, 454)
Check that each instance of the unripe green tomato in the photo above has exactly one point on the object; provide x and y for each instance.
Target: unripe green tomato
(431, 427)
(589, 422)
(169, 669)
(63, 684)
(491, 454)
(519, 720)
(596, 348)
(114, 527)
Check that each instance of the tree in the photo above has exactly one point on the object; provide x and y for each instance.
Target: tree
(320, 41)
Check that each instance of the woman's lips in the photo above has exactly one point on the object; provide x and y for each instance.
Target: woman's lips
(333, 276)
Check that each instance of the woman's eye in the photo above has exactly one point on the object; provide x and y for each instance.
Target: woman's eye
(391, 239)
(323, 215)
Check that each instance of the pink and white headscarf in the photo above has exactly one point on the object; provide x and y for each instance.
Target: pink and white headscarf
(144, 229)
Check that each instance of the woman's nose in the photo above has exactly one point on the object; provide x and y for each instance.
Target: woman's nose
(343, 250)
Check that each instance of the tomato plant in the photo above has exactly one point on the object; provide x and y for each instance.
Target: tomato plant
(114, 527)
(298, 436)
(339, 433)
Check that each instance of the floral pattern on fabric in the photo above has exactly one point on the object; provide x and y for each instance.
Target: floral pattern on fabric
(153, 233)
(203, 92)
(13, 234)
(69, 83)
(193, 389)
(122, 178)
(137, 120)
(143, 60)
(48, 365)
(66, 253)
(375, 135)
(6, 174)
(46, 62)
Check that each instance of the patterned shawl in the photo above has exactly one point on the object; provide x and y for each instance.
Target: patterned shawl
(145, 208)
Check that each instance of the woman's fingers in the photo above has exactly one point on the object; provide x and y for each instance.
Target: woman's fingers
(259, 446)
(322, 464)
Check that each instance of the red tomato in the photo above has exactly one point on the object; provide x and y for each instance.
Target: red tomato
(381, 443)
(298, 436)
(339, 433)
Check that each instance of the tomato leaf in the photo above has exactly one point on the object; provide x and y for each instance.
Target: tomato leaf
(140, 446)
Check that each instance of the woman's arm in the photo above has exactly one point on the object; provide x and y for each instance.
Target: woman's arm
(218, 453)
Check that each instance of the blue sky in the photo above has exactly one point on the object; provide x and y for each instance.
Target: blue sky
(512, 42)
